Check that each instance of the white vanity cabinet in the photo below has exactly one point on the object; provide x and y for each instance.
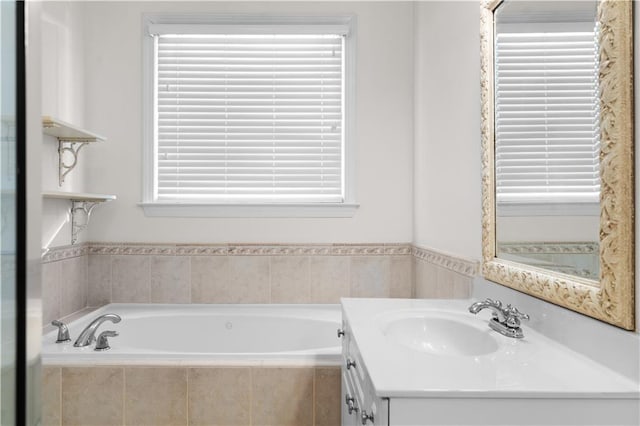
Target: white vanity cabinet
(360, 405)
(402, 376)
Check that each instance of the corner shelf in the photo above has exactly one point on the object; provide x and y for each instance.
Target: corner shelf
(71, 139)
(81, 206)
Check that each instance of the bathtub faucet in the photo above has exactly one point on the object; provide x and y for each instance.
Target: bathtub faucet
(88, 335)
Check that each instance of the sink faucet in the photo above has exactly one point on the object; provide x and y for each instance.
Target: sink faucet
(504, 320)
(88, 335)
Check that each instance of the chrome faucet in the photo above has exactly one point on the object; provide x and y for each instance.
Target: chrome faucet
(504, 320)
(63, 331)
(88, 335)
(102, 344)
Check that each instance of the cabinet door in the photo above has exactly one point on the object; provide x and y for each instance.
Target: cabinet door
(348, 419)
(363, 402)
(382, 412)
(376, 408)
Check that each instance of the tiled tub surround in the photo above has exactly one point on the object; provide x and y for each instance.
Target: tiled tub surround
(439, 275)
(157, 396)
(64, 281)
(94, 274)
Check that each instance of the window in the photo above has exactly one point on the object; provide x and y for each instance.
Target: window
(247, 113)
(547, 115)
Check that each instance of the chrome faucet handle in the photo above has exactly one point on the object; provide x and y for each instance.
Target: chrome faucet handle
(496, 304)
(63, 331)
(103, 342)
(513, 316)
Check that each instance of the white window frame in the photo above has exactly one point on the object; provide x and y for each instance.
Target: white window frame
(151, 207)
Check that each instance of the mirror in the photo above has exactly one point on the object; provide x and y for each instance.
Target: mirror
(547, 135)
(557, 135)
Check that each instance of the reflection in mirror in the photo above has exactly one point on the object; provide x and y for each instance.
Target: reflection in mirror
(547, 135)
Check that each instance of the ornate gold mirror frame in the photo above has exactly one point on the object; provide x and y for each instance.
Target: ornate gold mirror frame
(612, 298)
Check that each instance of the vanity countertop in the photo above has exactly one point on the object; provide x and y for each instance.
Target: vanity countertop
(532, 367)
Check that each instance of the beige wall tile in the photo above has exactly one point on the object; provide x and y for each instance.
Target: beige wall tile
(402, 277)
(170, 280)
(51, 394)
(99, 282)
(73, 285)
(249, 280)
(131, 279)
(327, 396)
(92, 396)
(50, 292)
(219, 396)
(282, 396)
(240, 279)
(329, 276)
(209, 278)
(462, 286)
(425, 280)
(290, 279)
(370, 276)
(419, 283)
(444, 282)
(155, 396)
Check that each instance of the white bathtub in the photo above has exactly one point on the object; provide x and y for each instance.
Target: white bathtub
(158, 334)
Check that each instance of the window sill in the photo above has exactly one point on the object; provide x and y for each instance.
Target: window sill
(547, 209)
(328, 210)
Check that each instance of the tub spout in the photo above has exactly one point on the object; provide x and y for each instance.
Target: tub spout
(88, 335)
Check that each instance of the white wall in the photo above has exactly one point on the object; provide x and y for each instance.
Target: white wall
(62, 56)
(447, 127)
(384, 85)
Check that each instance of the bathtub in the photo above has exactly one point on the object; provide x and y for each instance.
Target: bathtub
(179, 335)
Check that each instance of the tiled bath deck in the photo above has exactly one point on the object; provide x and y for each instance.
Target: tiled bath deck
(157, 396)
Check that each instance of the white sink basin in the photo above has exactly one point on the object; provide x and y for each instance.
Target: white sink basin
(440, 333)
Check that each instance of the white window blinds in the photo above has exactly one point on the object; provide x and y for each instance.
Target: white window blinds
(249, 117)
(547, 117)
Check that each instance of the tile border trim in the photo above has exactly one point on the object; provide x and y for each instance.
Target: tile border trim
(65, 252)
(457, 264)
(123, 249)
(549, 248)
